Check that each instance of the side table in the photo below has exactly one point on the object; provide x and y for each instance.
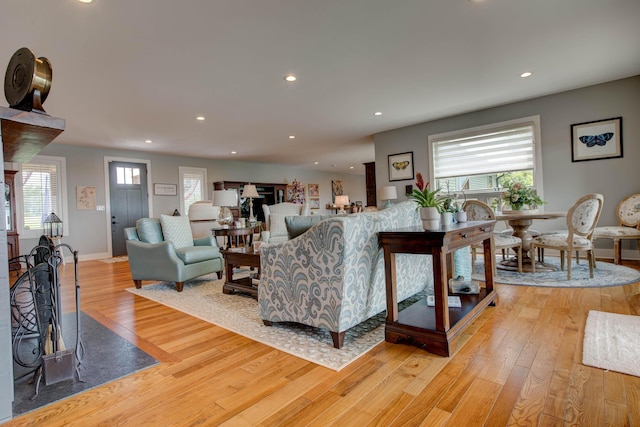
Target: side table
(235, 258)
(436, 328)
(236, 233)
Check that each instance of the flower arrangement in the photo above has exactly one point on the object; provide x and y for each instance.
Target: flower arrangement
(424, 197)
(517, 195)
(295, 192)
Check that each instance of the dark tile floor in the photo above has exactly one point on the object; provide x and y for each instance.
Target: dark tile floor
(107, 357)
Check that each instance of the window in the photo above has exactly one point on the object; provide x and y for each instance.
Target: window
(42, 192)
(127, 175)
(473, 160)
(193, 186)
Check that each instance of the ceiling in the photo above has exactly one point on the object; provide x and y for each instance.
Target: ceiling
(126, 71)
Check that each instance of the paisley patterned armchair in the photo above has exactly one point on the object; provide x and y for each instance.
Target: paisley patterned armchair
(332, 276)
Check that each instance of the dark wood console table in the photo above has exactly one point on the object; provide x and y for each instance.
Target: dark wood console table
(436, 328)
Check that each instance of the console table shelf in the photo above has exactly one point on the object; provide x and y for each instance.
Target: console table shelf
(436, 328)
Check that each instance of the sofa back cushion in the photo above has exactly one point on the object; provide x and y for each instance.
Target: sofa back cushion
(176, 229)
(296, 225)
(149, 230)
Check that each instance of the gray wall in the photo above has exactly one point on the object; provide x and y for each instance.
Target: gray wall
(85, 166)
(563, 180)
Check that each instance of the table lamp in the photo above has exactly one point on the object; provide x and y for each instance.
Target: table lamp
(225, 199)
(342, 201)
(250, 191)
(388, 193)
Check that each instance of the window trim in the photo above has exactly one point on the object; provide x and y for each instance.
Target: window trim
(537, 162)
(182, 170)
(61, 167)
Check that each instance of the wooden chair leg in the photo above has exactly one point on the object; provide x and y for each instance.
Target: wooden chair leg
(591, 259)
(568, 265)
(562, 260)
(519, 251)
(617, 251)
(179, 286)
(138, 283)
(533, 259)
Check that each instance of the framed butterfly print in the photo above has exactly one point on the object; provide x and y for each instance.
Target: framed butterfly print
(401, 166)
(600, 139)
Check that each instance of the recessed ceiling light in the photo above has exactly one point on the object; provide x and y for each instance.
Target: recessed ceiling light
(85, 1)
(350, 167)
(148, 141)
(292, 137)
(525, 74)
(315, 163)
(234, 152)
(290, 78)
(377, 113)
(200, 118)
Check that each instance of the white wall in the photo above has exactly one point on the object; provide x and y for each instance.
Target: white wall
(564, 181)
(88, 230)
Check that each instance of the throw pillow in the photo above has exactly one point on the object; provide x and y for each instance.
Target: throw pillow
(149, 230)
(296, 225)
(176, 229)
(277, 226)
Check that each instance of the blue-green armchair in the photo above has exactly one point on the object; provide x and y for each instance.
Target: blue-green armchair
(164, 249)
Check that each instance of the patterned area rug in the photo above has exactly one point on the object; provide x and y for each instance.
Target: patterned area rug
(605, 274)
(612, 341)
(203, 298)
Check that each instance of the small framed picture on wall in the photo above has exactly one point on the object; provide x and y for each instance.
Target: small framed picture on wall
(401, 166)
(600, 139)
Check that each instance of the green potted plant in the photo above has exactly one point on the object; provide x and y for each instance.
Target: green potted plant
(459, 213)
(429, 203)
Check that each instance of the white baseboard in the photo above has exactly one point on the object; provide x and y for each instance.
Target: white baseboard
(90, 257)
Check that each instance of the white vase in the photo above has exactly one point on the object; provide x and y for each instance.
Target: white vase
(430, 218)
(447, 218)
(461, 216)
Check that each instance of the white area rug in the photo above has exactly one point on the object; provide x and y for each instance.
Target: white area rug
(612, 341)
(605, 274)
(203, 298)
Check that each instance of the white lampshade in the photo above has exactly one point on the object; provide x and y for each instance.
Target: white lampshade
(342, 200)
(249, 191)
(225, 198)
(388, 193)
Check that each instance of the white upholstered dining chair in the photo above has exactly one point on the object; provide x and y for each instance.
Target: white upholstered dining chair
(628, 228)
(275, 228)
(582, 219)
(480, 211)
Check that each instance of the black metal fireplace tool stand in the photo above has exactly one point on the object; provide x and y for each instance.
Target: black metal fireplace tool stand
(36, 318)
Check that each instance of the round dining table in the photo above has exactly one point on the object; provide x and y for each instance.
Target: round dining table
(520, 221)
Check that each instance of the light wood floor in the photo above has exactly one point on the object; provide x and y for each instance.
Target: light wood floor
(518, 364)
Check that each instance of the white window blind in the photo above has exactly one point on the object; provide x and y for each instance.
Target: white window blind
(510, 148)
(40, 194)
(193, 185)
